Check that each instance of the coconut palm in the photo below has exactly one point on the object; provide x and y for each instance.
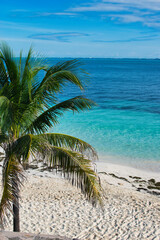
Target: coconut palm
(28, 109)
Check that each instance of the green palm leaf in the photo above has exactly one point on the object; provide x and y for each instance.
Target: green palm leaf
(6, 113)
(71, 143)
(64, 153)
(3, 138)
(12, 71)
(56, 78)
(7, 56)
(74, 166)
(79, 170)
(3, 74)
(12, 179)
(57, 75)
(50, 117)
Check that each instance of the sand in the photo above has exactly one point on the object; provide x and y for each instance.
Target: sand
(50, 205)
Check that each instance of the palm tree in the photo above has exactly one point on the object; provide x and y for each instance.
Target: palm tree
(28, 109)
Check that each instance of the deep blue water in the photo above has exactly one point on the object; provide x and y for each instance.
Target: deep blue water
(125, 125)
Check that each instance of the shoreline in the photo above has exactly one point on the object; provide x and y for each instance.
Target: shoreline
(126, 170)
(129, 177)
(139, 164)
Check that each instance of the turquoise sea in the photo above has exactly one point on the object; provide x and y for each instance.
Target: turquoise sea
(124, 128)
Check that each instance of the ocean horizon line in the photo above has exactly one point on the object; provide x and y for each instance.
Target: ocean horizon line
(109, 58)
(136, 58)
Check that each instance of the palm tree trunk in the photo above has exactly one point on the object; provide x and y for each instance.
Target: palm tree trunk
(16, 225)
(15, 193)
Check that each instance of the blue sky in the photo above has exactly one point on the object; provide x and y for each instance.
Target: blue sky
(81, 28)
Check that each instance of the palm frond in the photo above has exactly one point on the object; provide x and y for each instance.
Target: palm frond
(57, 77)
(20, 65)
(71, 143)
(3, 74)
(3, 138)
(10, 113)
(68, 70)
(12, 179)
(6, 113)
(50, 116)
(22, 147)
(79, 170)
(74, 166)
(8, 58)
(12, 71)
(27, 66)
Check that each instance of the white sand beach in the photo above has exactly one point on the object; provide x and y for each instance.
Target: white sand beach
(50, 205)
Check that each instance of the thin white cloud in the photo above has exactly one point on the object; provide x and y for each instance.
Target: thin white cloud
(126, 11)
(26, 13)
(46, 14)
(138, 4)
(133, 39)
(17, 26)
(19, 10)
(60, 37)
(150, 21)
(14, 39)
(99, 7)
(115, 5)
(65, 14)
(126, 18)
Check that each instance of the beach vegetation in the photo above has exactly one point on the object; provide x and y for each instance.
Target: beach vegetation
(29, 110)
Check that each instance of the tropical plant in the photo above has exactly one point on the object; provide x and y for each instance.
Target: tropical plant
(28, 109)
